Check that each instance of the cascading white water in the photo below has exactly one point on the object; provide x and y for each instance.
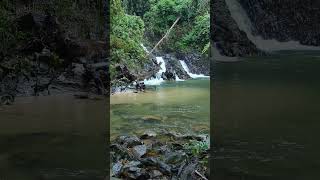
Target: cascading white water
(185, 67)
(177, 78)
(244, 24)
(158, 79)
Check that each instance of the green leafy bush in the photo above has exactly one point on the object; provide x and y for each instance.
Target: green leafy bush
(126, 35)
(197, 147)
(192, 30)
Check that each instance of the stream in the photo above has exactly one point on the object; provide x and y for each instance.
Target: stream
(181, 105)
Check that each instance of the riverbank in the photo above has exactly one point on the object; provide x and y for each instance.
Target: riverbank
(160, 155)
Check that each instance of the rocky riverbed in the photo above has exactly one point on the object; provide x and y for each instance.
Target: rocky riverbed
(160, 155)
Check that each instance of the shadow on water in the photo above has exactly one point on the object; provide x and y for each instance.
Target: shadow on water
(266, 117)
(53, 138)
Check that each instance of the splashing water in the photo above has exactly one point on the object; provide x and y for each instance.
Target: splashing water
(185, 67)
(158, 79)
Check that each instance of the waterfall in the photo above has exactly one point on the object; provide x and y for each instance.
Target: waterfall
(244, 24)
(185, 67)
(158, 79)
(177, 78)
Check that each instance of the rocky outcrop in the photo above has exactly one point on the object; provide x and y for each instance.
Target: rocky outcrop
(282, 21)
(285, 20)
(174, 67)
(48, 61)
(197, 63)
(228, 39)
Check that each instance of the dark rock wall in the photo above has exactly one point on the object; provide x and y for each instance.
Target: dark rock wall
(283, 20)
(226, 35)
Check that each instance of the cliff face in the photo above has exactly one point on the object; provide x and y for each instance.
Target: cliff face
(283, 21)
(228, 39)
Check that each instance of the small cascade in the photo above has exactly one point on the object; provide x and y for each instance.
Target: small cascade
(185, 67)
(244, 24)
(177, 78)
(158, 79)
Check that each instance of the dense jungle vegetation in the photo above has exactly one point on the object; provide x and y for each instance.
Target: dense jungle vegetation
(146, 21)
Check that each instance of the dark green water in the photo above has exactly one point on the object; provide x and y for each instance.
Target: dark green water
(53, 138)
(266, 117)
(180, 106)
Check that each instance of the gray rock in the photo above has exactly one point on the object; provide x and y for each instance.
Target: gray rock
(148, 134)
(116, 169)
(139, 151)
(155, 174)
(130, 141)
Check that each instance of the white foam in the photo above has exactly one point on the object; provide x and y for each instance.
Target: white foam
(185, 67)
(158, 79)
(244, 24)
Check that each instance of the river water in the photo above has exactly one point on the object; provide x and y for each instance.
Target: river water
(53, 138)
(266, 117)
(182, 106)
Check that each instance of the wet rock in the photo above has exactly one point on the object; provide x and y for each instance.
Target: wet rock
(130, 141)
(169, 75)
(174, 68)
(124, 72)
(148, 134)
(139, 150)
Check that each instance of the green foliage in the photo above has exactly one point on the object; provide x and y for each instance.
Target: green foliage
(192, 30)
(136, 7)
(126, 36)
(197, 147)
(199, 35)
(9, 35)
